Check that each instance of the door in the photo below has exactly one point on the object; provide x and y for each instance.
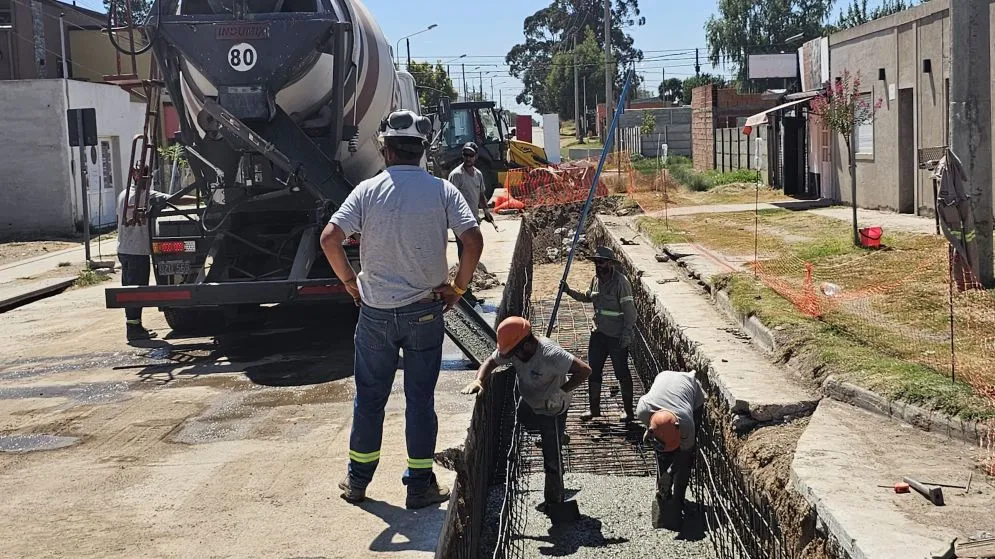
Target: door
(794, 156)
(100, 190)
(906, 152)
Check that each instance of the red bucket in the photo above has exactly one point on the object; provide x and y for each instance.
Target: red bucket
(870, 237)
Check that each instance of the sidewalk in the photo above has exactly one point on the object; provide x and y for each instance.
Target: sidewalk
(890, 221)
(28, 268)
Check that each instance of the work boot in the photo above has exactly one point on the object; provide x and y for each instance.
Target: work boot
(137, 332)
(589, 416)
(351, 494)
(625, 418)
(434, 494)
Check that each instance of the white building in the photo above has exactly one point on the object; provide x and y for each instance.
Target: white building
(39, 172)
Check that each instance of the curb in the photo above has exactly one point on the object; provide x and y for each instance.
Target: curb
(916, 416)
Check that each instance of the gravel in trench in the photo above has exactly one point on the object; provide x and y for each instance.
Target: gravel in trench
(615, 523)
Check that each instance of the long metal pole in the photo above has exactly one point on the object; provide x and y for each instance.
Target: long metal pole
(492, 89)
(464, 81)
(577, 131)
(970, 118)
(407, 44)
(608, 62)
(587, 205)
(84, 179)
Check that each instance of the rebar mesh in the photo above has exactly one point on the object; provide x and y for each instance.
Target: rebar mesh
(604, 445)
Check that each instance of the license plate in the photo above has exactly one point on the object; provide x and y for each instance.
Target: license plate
(173, 267)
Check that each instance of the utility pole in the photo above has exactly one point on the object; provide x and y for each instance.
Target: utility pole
(492, 89)
(577, 132)
(584, 117)
(464, 81)
(697, 66)
(609, 74)
(501, 101)
(407, 43)
(970, 117)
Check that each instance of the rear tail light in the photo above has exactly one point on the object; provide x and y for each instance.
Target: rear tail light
(173, 247)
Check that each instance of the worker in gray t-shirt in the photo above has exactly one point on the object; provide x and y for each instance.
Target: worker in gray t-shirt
(468, 179)
(403, 216)
(134, 252)
(546, 377)
(671, 411)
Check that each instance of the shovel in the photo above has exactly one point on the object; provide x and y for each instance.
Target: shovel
(566, 511)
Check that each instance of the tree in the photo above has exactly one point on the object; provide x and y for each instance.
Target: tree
(842, 109)
(433, 83)
(671, 90)
(697, 81)
(857, 13)
(550, 31)
(742, 28)
(558, 87)
(139, 10)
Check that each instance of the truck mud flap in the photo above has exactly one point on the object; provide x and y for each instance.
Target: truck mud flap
(470, 332)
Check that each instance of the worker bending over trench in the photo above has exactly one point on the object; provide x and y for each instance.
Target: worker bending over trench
(547, 376)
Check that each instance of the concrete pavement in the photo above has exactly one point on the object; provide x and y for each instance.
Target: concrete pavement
(845, 453)
(226, 447)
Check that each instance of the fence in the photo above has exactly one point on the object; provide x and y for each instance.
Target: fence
(671, 126)
(734, 150)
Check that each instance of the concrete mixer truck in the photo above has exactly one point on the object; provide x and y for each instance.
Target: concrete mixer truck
(279, 103)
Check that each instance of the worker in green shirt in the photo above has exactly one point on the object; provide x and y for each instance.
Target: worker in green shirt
(613, 331)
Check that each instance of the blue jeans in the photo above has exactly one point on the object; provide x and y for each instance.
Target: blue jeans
(418, 329)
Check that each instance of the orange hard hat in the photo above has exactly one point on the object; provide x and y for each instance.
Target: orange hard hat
(511, 332)
(664, 426)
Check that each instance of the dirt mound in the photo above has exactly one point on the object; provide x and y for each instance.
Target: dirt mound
(482, 279)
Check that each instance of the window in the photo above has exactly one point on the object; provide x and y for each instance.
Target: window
(6, 13)
(460, 130)
(491, 132)
(864, 133)
(107, 164)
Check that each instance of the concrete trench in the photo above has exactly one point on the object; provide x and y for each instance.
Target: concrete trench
(744, 506)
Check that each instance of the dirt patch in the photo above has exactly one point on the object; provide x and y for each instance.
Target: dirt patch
(546, 278)
(22, 250)
(553, 227)
(765, 456)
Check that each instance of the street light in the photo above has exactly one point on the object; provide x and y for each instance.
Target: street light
(397, 51)
(454, 59)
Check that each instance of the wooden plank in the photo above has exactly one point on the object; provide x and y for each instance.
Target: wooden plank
(980, 549)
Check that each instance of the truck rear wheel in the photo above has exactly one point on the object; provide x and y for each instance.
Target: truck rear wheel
(195, 321)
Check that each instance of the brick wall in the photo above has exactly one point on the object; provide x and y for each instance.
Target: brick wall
(718, 108)
(703, 127)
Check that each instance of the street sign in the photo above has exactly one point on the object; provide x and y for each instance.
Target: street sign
(82, 127)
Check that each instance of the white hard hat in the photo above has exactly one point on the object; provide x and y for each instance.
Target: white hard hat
(405, 124)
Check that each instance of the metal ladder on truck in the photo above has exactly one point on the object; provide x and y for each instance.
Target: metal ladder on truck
(144, 155)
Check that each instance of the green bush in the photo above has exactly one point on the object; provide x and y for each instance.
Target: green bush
(730, 177)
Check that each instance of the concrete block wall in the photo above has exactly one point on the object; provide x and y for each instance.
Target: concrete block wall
(34, 168)
(672, 127)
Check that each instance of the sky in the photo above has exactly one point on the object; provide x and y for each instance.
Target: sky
(673, 30)
(486, 31)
